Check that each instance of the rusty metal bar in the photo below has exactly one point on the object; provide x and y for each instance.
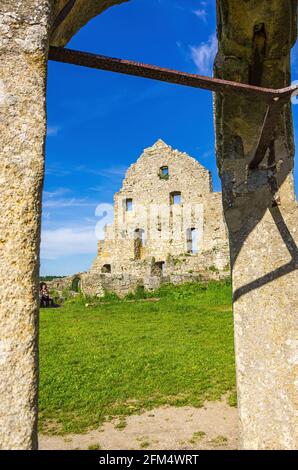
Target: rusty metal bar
(153, 72)
(63, 14)
(276, 99)
(267, 133)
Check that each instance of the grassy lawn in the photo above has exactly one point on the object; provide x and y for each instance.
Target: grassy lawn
(119, 357)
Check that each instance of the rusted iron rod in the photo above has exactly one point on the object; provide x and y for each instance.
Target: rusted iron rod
(153, 72)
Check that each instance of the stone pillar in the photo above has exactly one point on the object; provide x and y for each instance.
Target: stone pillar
(24, 28)
(255, 40)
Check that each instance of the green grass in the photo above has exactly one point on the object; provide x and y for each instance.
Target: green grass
(120, 357)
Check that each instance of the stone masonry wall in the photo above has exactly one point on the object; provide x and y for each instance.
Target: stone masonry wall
(26, 29)
(24, 38)
(255, 40)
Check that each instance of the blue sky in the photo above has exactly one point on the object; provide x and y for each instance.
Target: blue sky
(99, 122)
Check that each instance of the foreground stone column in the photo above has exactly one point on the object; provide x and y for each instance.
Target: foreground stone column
(255, 40)
(24, 27)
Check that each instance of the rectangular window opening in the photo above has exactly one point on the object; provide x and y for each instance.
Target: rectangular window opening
(175, 197)
(159, 268)
(128, 205)
(164, 172)
(192, 240)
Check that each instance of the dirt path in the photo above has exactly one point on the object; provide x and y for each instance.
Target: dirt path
(212, 427)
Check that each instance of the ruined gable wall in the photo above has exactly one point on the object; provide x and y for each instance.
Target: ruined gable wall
(147, 189)
(165, 230)
(142, 176)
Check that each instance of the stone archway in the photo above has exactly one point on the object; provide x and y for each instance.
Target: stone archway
(259, 207)
(76, 283)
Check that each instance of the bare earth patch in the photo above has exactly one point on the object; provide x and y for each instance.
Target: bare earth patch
(213, 426)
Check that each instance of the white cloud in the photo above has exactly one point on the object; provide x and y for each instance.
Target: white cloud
(114, 172)
(204, 54)
(68, 242)
(52, 131)
(53, 194)
(56, 170)
(202, 14)
(46, 215)
(118, 171)
(67, 202)
(98, 189)
(207, 154)
(55, 199)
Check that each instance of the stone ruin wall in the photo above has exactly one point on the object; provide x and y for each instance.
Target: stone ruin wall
(60, 284)
(164, 227)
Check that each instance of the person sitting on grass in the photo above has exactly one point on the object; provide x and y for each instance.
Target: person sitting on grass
(44, 296)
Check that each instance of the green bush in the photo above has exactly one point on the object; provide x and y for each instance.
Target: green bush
(56, 297)
(139, 294)
(109, 297)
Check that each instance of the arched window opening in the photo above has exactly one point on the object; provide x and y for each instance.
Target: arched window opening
(75, 285)
(192, 240)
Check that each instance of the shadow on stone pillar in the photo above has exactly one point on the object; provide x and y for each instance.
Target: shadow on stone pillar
(255, 40)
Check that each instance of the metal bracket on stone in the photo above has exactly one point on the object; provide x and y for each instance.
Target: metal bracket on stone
(275, 99)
